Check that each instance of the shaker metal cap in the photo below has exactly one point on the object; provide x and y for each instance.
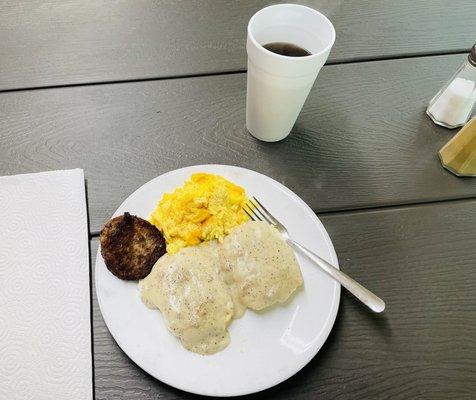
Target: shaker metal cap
(472, 56)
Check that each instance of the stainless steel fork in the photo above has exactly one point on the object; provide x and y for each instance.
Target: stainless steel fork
(257, 212)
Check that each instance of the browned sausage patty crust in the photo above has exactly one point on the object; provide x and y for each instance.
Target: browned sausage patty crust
(130, 246)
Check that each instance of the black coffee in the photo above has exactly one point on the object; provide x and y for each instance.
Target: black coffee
(287, 49)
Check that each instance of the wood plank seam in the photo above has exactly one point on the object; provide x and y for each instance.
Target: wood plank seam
(95, 234)
(232, 72)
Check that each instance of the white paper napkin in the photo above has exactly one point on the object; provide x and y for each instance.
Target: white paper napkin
(45, 328)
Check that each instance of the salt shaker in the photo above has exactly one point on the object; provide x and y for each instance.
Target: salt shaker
(453, 104)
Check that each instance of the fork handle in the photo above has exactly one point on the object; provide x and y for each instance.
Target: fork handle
(372, 301)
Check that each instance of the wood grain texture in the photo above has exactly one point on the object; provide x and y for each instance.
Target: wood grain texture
(362, 140)
(59, 42)
(421, 261)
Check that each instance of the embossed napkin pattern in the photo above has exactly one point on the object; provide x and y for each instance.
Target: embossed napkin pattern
(45, 333)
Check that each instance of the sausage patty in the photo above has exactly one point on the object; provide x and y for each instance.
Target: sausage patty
(130, 246)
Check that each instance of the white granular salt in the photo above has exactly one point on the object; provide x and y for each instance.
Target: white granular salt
(454, 105)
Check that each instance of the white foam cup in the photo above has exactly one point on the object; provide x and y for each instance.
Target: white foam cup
(277, 85)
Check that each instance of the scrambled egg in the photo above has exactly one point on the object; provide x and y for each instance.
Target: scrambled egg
(206, 207)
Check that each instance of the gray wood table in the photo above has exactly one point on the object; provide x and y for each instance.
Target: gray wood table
(128, 90)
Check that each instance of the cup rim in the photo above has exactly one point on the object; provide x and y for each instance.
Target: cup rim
(279, 56)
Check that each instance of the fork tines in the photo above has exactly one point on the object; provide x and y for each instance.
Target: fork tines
(257, 212)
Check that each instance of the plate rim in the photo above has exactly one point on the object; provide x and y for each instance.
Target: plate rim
(330, 321)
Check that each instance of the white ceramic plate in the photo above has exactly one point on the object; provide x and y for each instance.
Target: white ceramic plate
(265, 348)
